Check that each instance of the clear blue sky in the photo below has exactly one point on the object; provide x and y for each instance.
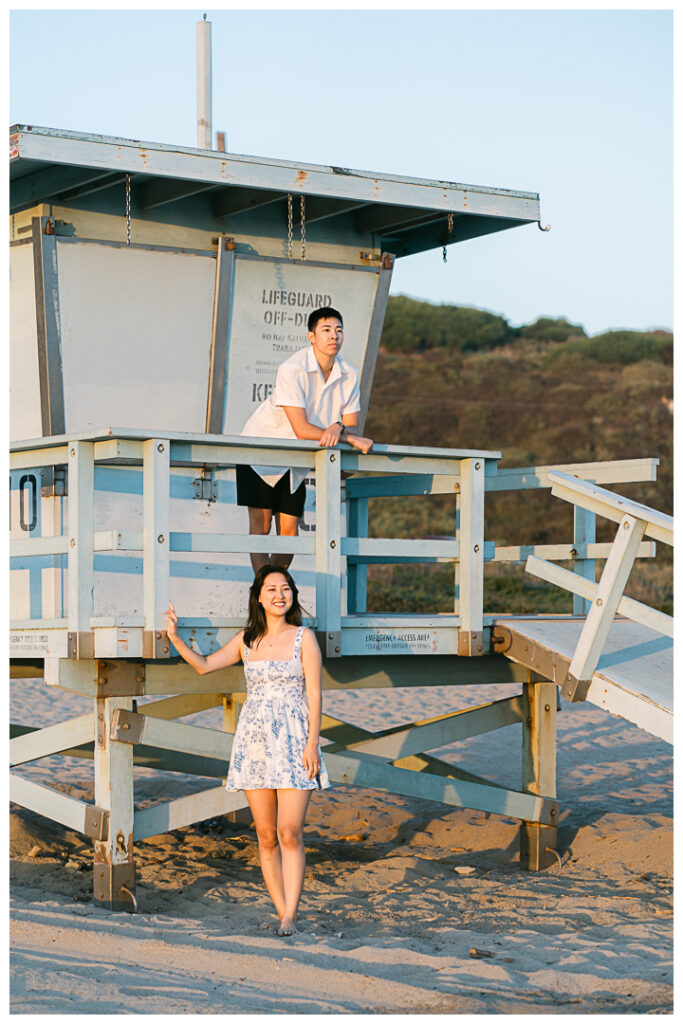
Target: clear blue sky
(575, 105)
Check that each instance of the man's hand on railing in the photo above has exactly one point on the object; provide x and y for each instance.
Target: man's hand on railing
(330, 437)
(363, 444)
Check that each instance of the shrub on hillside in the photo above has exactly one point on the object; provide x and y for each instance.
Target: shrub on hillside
(548, 329)
(412, 326)
(621, 347)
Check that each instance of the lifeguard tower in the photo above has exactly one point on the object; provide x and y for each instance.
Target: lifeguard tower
(155, 290)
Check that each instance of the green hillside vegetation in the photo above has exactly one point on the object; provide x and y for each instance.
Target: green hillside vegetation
(542, 394)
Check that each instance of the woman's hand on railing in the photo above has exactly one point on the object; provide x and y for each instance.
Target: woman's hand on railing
(363, 444)
(171, 622)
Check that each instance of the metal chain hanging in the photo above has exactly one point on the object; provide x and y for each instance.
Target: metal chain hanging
(128, 209)
(303, 227)
(290, 218)
(450, 232)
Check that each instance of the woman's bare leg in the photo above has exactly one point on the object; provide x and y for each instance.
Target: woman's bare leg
(291, 811)
(264, 808)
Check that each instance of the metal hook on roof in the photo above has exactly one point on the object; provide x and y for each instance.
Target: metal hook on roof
(541, 228)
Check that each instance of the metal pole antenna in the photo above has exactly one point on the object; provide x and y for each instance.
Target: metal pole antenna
(204, 84)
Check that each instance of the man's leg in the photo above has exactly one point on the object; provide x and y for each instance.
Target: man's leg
(260, 520)
(286, 526)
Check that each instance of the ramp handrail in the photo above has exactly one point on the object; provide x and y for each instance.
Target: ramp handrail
(635, 521)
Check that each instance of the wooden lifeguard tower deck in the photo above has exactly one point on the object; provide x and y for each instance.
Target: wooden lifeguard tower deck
(109, 522)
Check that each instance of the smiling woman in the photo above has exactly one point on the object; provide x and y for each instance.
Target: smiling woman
(276, 758)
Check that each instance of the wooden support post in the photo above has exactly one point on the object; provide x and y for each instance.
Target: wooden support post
(584, 533)
(81, 477)
(114, 866)
(232, 706)
(471, 634)
(614, 577)
(538, 770)
(156, 545)
(357, 574)
(328, 550)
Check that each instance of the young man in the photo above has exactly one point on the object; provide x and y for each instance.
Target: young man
(316, 397)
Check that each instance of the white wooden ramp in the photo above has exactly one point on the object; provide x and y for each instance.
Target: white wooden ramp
(634, 675)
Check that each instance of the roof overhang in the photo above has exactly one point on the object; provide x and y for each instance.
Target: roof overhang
(405, 215)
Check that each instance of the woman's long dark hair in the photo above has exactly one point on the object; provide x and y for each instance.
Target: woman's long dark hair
(256, 622)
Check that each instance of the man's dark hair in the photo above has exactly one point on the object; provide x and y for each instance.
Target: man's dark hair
(324, 313)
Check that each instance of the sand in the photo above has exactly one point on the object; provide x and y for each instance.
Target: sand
(408, 907)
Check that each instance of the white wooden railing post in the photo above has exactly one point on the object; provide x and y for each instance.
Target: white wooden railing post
(599, 619)
(584, 534)
(156, 545)
(471, 537)
(81, 484)
(328, 523)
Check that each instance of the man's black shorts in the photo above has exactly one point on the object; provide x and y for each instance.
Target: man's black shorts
(253, 491)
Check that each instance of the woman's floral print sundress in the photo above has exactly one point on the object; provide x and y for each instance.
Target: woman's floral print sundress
(272, 729)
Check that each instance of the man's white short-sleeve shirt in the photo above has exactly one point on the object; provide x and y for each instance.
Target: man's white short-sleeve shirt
(300, 383)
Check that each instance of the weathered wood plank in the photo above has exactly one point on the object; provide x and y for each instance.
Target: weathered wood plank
(610, 589)
(580, 553)
(236, 542)
(612, 506)
(209, 803)
(156, 530)
(20, 548)
(178, 707)
(81, 482)
(128, 727)
(36, 458)
(471, 537)
(459, 725)
(328, 550)
(113, 783)
(534, 477)
(373, 773)
(372, 547)
(356, 574)
(118, 540)
(88, 819)
(402, 486)
(52, 740)
(627, 606)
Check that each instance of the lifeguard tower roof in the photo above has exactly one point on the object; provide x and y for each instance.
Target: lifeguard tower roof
(402, 215)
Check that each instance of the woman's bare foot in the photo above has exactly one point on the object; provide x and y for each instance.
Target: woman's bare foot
(287, 927)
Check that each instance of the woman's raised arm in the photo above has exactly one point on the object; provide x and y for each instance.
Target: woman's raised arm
(230, 654)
